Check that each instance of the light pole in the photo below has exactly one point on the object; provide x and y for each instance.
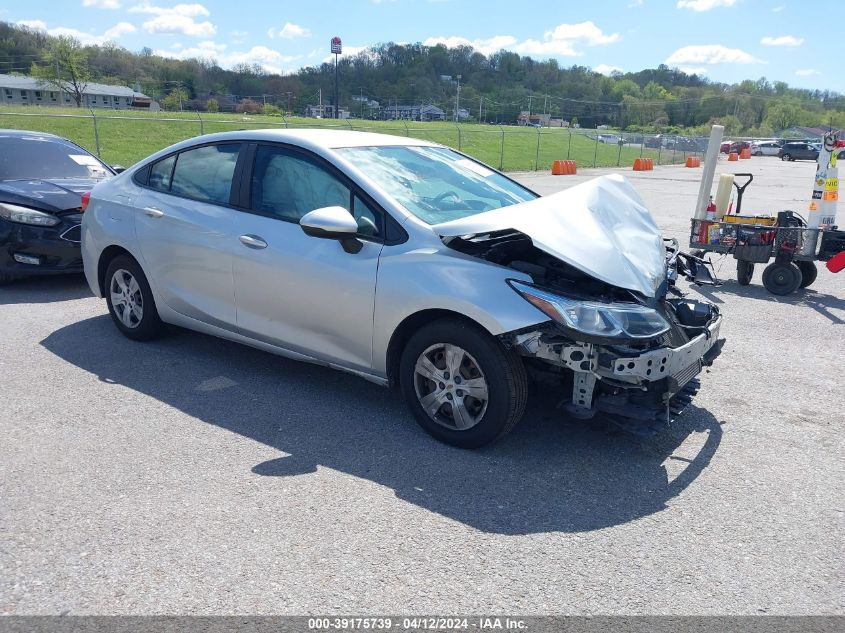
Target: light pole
(458, 99)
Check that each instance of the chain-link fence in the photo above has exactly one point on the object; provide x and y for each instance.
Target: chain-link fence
(128, 136)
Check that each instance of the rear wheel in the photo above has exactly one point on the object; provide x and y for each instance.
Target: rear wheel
(786, 157)
(809, 272)
(744, 272)
(130, 300)
(782, 278)
(462, 385)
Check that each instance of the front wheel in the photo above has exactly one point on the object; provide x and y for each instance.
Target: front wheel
(786, 157)
(130, 300)
(463, 387)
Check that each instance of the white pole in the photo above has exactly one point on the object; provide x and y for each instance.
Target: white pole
(822, 209)
(708, 171)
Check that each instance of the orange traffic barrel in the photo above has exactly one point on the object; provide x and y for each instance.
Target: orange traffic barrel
(563, 167)
(649, 163)
(640, 164)
(733, 156)
(745, 153)
(693, 161)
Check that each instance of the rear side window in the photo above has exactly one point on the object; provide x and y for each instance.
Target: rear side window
(161, 172)
(206, 173)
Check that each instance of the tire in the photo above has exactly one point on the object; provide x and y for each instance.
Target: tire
(782, 278)
(135, 314)
(497, 374)
(744, 272)
(809, 272)
(786, 157)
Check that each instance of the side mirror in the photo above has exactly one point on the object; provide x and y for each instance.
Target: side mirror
(332, 223)
(118, 169)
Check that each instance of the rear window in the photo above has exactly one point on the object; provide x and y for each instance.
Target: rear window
(206, 173)
(26, 157)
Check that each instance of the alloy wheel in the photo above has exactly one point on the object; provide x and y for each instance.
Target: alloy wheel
(450, 386)
(126, 298)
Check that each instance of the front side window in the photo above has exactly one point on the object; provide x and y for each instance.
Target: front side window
(436, 184)
(206, 173)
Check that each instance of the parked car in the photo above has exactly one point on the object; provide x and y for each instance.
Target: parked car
(765, 148)
(611, 139)
(42, 178)
(798, 151)
(734, 147)
(406, 263)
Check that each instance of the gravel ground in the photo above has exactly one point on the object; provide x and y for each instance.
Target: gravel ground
(195, 476)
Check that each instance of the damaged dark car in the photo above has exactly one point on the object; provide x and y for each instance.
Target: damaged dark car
(42, 179)
(411, 265)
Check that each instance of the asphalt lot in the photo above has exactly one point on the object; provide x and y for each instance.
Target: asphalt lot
(196, 476)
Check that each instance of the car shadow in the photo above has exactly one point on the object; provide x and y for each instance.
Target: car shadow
(821, 302)
(45, 289)
(548, 475)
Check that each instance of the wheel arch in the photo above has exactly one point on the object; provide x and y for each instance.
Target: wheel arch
(106, 257)
(409, 325)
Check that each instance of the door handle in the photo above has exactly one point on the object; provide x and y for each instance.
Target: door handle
(252, 241)
(153, 212)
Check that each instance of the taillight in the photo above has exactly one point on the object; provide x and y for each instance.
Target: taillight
(86, 198)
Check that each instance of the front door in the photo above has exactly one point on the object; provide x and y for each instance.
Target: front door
(303, 293)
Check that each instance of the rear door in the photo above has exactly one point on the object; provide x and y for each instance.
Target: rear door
(187, 226)
(304, 293)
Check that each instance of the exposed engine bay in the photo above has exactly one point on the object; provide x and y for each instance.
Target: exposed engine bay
(638, 381)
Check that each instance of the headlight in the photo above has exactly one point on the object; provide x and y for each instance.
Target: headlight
(603, 320)
(25, 215)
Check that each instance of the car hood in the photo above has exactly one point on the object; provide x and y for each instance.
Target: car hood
(52, 195)
(601, 227)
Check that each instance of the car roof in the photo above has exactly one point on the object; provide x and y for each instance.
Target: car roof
(321, 138)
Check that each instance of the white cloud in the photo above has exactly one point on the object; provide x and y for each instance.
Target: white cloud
(783, 40)
(270, 60)
(635, 3)
(710, 54)
(119, 29)
(39, 25)
(704, 5)
(292, 31)
(807, 72)
(179, 19)
(779, 8)
(87, 39)
(693, 70)
(483, 46)
(561, 41)
(607, 69)
(347, 50)
(101, 4)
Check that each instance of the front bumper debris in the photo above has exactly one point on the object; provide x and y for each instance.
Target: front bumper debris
(640, 391)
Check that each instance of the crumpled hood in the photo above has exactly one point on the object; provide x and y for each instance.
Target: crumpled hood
(601, 227)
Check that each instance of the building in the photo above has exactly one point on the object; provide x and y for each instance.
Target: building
(324, 112)
(413, 112)
(23, 90)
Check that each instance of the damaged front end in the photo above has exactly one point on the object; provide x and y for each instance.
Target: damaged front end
(621, 340)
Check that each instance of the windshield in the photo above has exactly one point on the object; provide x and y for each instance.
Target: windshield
(436, 184)
(25, 157)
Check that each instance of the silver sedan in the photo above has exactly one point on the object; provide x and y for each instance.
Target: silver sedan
(408, 264)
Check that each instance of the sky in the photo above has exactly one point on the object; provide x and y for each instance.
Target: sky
(725, 40)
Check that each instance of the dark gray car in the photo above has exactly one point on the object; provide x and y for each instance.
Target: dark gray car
(798, 151)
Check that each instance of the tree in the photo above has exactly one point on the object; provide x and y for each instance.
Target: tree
(174, 100)
(781, 116)
(66, 68)
(212, 105)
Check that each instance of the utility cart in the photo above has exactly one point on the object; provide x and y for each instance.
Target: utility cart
(786, 239)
